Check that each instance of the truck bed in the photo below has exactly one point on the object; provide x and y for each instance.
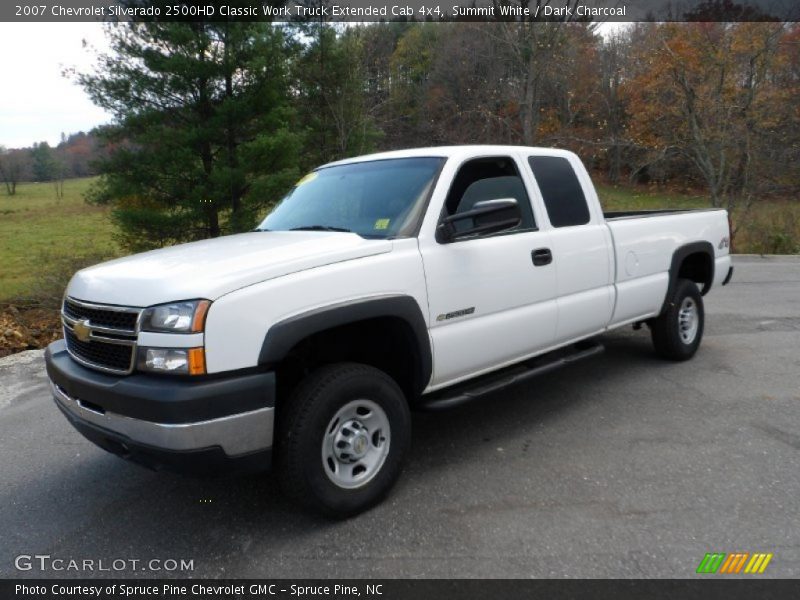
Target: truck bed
(644, 247)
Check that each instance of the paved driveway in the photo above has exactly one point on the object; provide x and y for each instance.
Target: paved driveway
(620, 466)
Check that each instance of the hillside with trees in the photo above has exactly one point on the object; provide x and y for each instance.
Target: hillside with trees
(215, 120)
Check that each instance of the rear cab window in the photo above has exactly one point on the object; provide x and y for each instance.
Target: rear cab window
(561, 191)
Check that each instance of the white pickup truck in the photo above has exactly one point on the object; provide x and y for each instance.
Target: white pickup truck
(417, 278)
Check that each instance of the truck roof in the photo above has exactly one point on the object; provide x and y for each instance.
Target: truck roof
(463, 152)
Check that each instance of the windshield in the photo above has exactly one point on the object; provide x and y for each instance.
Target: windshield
(377, 199)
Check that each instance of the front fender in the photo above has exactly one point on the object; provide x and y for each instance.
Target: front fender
(284, 335)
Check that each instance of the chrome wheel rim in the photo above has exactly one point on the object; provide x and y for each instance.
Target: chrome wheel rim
(356, 444)
(688, 320)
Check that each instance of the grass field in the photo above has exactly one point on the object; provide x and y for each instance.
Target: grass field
(40, 234)
(623, 198)
(770, 227)
(37, 229)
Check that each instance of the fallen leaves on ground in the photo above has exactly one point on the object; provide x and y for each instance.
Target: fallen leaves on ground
(24, 328)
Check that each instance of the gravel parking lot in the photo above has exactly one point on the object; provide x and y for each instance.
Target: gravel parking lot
(619, 466)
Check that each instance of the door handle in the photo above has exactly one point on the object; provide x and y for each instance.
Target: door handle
(541, 257)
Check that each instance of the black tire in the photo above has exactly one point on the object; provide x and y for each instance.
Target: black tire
(303, 429)
(670, 336)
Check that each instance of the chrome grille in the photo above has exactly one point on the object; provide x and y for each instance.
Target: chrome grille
(100, 336)
(124, 319)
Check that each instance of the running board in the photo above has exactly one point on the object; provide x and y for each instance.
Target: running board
(486, 384)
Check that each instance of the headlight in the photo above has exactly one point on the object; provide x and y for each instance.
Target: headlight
(186, 361)
(178, 317)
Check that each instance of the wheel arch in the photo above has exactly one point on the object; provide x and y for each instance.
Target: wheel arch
(392, 325)
(694, 261)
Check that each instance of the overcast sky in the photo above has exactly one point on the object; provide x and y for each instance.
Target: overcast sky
(37, 103)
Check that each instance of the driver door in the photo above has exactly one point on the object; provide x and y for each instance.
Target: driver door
(490, 304)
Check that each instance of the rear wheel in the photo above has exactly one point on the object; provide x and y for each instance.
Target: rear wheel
(343, 436)
(678, 331)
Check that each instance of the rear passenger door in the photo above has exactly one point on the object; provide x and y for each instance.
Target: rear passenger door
(489, 304)
(581, 247)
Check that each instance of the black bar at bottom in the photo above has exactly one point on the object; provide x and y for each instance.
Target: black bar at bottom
(704, 587)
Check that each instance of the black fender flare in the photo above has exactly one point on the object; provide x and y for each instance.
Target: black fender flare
(678, 257)
(284, 335)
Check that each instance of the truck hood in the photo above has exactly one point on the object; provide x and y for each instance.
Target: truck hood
(211, 268)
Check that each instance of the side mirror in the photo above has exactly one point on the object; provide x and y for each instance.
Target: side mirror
(487, 216)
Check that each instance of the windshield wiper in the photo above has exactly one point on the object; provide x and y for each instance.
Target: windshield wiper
(320, 228)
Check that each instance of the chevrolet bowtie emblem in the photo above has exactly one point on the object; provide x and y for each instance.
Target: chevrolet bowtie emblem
(82, 330)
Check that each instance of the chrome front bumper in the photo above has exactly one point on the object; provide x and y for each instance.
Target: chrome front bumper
(236, 435)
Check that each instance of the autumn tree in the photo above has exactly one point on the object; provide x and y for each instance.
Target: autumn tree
(707, 94)
(532, 45)
(611, 106)
(781, 109)
(78, 152)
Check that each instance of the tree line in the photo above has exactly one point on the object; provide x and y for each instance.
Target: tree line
(215, 121)
(76, 155)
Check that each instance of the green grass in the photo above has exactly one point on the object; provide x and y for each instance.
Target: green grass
(770, 226)
(41, 236)
(37, 228)
(623, 198)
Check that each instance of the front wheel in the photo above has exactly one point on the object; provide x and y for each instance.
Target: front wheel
(343, 436)
(678, 331)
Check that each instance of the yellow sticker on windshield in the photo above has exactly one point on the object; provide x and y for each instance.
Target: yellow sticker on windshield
(310, 177)
(382, 223)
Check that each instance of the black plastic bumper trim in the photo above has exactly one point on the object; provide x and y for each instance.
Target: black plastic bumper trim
(160, 399)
